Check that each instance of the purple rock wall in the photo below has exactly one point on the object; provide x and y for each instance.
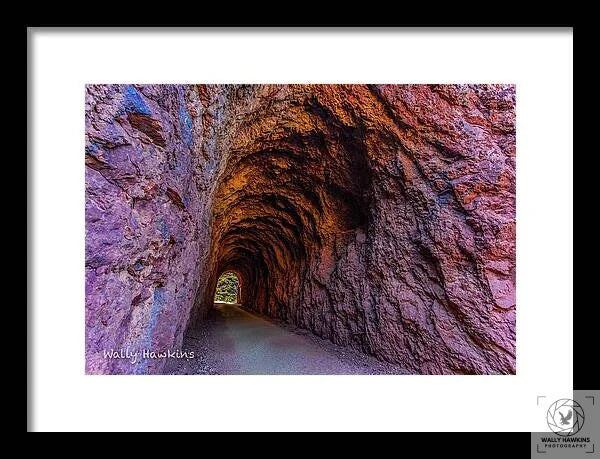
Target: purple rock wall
(147, 191)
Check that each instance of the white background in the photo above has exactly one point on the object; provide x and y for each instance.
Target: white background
(539, 63)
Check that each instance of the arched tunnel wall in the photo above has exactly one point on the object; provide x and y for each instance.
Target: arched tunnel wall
(380, 217)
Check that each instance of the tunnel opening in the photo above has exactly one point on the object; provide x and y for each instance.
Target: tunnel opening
(228, 289)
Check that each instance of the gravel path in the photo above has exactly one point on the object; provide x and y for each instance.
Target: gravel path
(234, 341)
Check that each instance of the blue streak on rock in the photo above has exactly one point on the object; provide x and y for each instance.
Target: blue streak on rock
(134, 101)
(185, 125)
(91, 148)
(444, 198)
(133, 222)
(163, 228)
(158, 303)
(142, 367)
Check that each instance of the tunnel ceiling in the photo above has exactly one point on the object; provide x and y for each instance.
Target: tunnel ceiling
(291, 184)
(376, 216)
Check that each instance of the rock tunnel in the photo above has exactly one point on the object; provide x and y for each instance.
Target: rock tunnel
(378, 217)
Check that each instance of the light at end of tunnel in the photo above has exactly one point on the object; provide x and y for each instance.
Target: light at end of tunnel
(228, 288)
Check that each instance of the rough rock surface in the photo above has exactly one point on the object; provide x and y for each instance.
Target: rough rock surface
(380, 217)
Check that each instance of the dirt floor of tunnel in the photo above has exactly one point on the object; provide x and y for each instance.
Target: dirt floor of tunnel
(235, 341)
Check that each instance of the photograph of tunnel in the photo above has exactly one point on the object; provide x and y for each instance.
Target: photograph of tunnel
(300, 229)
